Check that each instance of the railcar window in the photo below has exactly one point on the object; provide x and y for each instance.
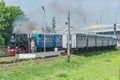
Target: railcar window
(91, 38)
(41, 39)
(81, 35)
(59, 38)
(99, 39)
(82, 38)
(48, 39)
(104, 38)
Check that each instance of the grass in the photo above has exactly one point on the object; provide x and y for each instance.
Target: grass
(6, 59)
(101, 65)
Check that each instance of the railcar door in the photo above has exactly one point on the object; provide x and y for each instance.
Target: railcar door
(105, 41)
(39, 38)
(110, 41)
(58, 41)
(81, 40)
(49, 39)
(99, 41)
(91, 40)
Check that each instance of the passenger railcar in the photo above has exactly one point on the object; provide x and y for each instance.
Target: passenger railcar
(51, 41)
(80, 42)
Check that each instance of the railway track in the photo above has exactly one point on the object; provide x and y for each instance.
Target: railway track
(15, 62)
(7, 60)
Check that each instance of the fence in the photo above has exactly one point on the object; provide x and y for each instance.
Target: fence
(3, 51)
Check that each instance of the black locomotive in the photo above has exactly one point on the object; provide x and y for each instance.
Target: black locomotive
(18, 44)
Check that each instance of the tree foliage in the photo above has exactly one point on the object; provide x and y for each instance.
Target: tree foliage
(49, 29)
(7, 16)
(53, 24)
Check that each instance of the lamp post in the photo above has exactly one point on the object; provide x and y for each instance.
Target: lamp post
(28, 36)
(101, 18)
(44, 30)
(115, 18)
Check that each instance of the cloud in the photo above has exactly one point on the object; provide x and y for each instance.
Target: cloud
(115, 4)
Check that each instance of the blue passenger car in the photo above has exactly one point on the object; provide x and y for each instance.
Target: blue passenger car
(51, 41)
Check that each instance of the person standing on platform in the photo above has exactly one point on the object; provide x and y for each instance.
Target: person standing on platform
(32, 46)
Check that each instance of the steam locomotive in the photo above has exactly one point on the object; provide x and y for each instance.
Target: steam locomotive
(18, 44)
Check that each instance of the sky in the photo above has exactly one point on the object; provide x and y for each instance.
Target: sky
(83, 12)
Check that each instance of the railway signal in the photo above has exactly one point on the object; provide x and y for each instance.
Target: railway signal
(114, 29)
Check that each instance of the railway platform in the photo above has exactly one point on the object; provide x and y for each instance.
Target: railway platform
(38, 55)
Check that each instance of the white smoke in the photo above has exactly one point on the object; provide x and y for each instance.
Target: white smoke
(23, 25)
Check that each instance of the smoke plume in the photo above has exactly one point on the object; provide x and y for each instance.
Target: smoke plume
(75, 6)
(83, 12)
(23, 25)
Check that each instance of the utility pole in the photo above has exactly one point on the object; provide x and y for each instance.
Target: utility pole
(68, 51)
(115, 18)
(101, 21)
(44, 30)
(97, 23)
(85, 21)
(101, 18)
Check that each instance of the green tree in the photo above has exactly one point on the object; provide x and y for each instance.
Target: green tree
(1, 40)
(53, 24)
(7, 16)
(48, 29)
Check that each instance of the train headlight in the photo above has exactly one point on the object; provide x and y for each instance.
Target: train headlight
(16, 47)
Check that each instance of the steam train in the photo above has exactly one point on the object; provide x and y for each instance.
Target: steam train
(18, 44)
(79, 41)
